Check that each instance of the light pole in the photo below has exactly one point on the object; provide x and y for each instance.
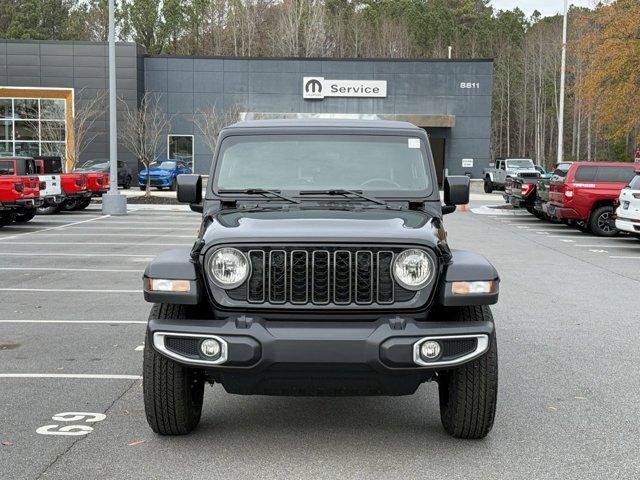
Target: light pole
(113, 203)
(563, 67)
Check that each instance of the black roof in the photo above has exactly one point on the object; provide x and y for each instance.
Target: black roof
(324, 122)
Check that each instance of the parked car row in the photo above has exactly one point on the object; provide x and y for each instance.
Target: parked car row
(56, 190)
(602, 198)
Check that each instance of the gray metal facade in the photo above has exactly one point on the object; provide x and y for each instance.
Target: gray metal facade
(190, 84)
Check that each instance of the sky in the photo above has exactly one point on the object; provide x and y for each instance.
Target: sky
(546, 7)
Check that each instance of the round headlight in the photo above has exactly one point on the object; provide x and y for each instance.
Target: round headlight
(228, 267)
(413, 269)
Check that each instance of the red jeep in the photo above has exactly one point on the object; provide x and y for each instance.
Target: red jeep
(75, 186)
(587, 194)
(98, 183)
(19, 190)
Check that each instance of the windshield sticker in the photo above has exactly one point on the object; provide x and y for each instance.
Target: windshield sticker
(414, 143)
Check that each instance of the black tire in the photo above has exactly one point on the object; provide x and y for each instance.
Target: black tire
(47, 210)
(127, 183)
(488, 186)
(174, 185)
(25, 215)
(82, 203)
(172, 393)
(68, 205)
(600, 222)
(468, 394)
(6, 218)
(143, 188)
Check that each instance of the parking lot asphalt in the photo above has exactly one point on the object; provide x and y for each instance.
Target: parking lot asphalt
(72, 326)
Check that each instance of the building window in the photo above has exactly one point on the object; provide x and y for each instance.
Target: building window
(33, 126)
(180, 147)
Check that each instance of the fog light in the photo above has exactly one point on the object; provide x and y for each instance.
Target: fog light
(430, 350)
(210, 348)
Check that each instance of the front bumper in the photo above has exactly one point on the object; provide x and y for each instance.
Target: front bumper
(156, 182)
(386, 346)
(53, 200)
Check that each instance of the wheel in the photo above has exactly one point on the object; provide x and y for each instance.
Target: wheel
(468, 393)
(143, 187)
(127, 183)
(172, 393)
(6, 217)
(488, 186)
(600, 222)
(47, 210)
(68, 205)
(25, 215)
(174, 185)
(82, 203)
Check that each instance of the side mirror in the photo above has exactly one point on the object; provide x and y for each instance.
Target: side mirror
(190, 188)
(456, 190)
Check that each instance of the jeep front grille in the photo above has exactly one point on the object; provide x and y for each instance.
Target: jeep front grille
(321, 276)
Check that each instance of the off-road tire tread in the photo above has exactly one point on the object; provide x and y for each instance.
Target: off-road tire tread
(468, 394)
(169, 408)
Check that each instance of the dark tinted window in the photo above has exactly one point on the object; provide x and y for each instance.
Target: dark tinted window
(586, 174)
(6, 167)
(635, 182)
(30, 167)
(614, 174)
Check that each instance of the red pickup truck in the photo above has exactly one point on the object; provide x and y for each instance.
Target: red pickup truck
(586, 195)
(19, 190)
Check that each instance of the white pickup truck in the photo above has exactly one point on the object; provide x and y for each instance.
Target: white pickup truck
(504, 168)
(52, 196)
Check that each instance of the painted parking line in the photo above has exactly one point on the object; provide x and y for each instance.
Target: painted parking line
(57, 234)
(38, 254)
(128, 244)
(55, 228)
(89, 376)
(610, 245)
(51, 269)
(67, 290)
(624, 257)
(98, 322)
(83, 227)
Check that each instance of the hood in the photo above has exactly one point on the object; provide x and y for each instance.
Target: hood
(324, 225)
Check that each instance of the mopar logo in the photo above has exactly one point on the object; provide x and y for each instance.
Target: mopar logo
(319, 88)
(312, 86)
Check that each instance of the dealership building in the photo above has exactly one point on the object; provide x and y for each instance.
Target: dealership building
(42, 83)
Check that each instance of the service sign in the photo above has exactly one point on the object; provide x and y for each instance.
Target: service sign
(319, 87)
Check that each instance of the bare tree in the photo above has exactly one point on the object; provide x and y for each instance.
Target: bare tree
(211, 120)
(86, 114)
(143, 129)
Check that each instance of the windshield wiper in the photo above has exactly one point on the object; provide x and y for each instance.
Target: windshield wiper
(345, 193)
(261, 191)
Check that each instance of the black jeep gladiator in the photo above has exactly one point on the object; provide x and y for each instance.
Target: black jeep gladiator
(321, 268)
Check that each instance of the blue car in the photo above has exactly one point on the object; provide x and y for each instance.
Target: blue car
(163, 174)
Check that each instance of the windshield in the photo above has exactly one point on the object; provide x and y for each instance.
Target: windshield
(164, 165)
(94, 165)
(523, 163)
(319, 162)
